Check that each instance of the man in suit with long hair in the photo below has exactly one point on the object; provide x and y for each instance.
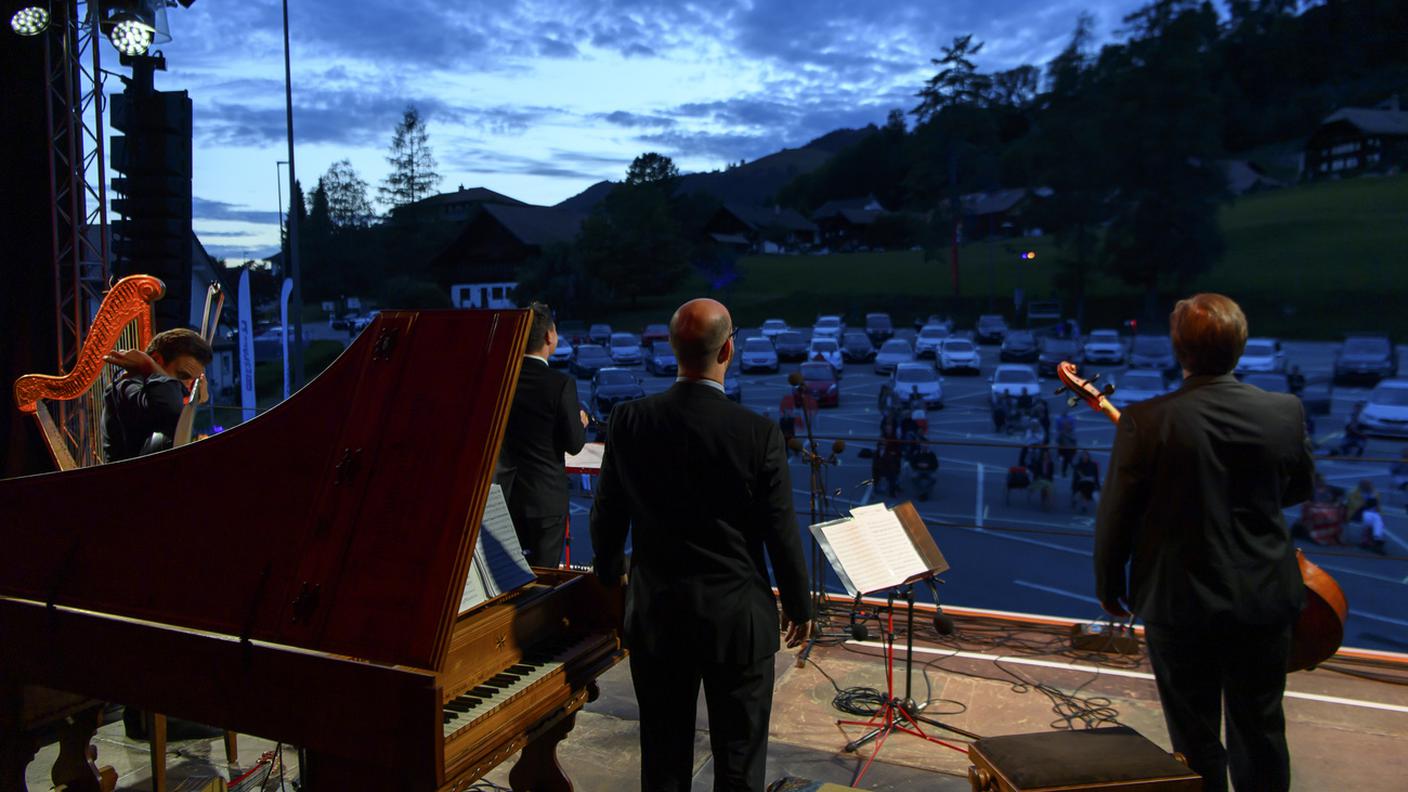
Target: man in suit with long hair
(544, 424)
(701, 485)
(1197, 482)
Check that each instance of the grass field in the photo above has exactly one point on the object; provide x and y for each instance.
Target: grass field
(1306, 261)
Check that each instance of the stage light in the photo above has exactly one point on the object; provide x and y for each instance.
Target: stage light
(131, 35)
(30, 21)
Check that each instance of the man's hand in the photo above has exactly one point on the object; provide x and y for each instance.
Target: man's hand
(796, 632)
(1115, 607)
(134, 360)
(585, 419)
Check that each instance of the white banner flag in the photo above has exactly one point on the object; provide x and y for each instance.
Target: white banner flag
(247, 400)
(288, 327)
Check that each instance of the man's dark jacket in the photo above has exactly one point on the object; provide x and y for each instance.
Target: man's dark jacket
(1193, 502)
(137, 407)
(544, 424)
(702, 485)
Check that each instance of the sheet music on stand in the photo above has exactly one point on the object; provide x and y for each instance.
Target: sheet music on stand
(498, 565)
(878, 548)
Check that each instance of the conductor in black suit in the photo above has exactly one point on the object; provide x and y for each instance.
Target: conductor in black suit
(702, 486)
(1198, 479)
(544, 423)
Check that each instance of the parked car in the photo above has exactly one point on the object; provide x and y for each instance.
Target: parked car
(1014, 379)
(934, 319)
(561, 354)
(958, 353)
(916, 378)
(926, 344)
(599, 334)
(758, 354)
(625, 349)
(1316, 395)
(660, 360)
(790, 345)
(990, 329)
(1366, 357)
(856, 347)
(588, 359)
(655, 332)
(1104, 346)
(828, 326)
(610, 387)
(891, 354)
(733, 386)
(1153, 352)
(828, 350)
(574, 330)
(1137, 385)
(1261, 354)
(772, 328)
(819, 381)
(879, 328)
(1386, 412)
(1019, 346)
(1053, 350)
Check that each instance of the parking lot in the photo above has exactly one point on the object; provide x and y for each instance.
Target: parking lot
(1007, 550)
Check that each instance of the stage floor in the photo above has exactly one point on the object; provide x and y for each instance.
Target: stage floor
(994, 677)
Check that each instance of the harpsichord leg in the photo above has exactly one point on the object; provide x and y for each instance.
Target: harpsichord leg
(76, 768)
(537, 769)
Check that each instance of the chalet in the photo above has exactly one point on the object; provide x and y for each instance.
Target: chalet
(1244, 176)
(495, 242)
(844, 222)
(758, 229)
(454, 207)
(1357, 139)
(997, 211)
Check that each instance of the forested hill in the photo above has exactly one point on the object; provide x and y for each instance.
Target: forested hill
(753, 183)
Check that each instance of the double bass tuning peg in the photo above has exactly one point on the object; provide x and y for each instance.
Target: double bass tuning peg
(1072, 401)
(1108, 390)
(1059, 391)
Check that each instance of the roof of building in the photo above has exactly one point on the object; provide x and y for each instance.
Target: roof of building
(481, 195)
(759, 217)
(985, 203)
(1243, 176)
(854, 209)
(1373, 121)
(535, 225)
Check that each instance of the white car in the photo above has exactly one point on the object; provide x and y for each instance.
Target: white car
(1137, 385)
(772, 328)
(625, 349)
(562, 353)
(758, 355)
(926, 344)
(826, 349)
(1015, 380)
(828, 327)
(958, 353)
(920, 378)
(1104, 346)
(1262, 354)
(1387, 410)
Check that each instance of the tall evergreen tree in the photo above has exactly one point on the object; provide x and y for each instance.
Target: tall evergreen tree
(413, 175)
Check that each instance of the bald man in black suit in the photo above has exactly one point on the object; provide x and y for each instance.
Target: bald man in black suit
(702, 486)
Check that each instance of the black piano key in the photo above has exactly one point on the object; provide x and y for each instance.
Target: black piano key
(483, 692)
(450, 716)
(455, 706)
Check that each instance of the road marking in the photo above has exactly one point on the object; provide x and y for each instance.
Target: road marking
(1053, 590)
(1377, 617)
(1120, 672)
(1357, 573)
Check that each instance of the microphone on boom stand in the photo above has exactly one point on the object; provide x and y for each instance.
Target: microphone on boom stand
(943, 623)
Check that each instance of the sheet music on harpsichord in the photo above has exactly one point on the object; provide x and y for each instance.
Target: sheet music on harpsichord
(498, 565)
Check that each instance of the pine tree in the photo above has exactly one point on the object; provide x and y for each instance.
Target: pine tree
(346, 195)
(413, 175)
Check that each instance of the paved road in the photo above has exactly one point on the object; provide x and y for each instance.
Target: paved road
(1022, 557)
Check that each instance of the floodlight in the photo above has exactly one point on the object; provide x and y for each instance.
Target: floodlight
(30, 21)
(131, 35)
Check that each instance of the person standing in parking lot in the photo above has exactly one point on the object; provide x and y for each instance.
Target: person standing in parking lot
(544, 424)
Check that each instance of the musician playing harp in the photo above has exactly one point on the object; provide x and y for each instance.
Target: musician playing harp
(141, 407)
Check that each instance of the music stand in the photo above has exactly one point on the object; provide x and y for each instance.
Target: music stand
(855, 548)
(586, 462)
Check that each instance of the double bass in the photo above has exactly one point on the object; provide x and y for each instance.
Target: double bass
(1319, 630)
